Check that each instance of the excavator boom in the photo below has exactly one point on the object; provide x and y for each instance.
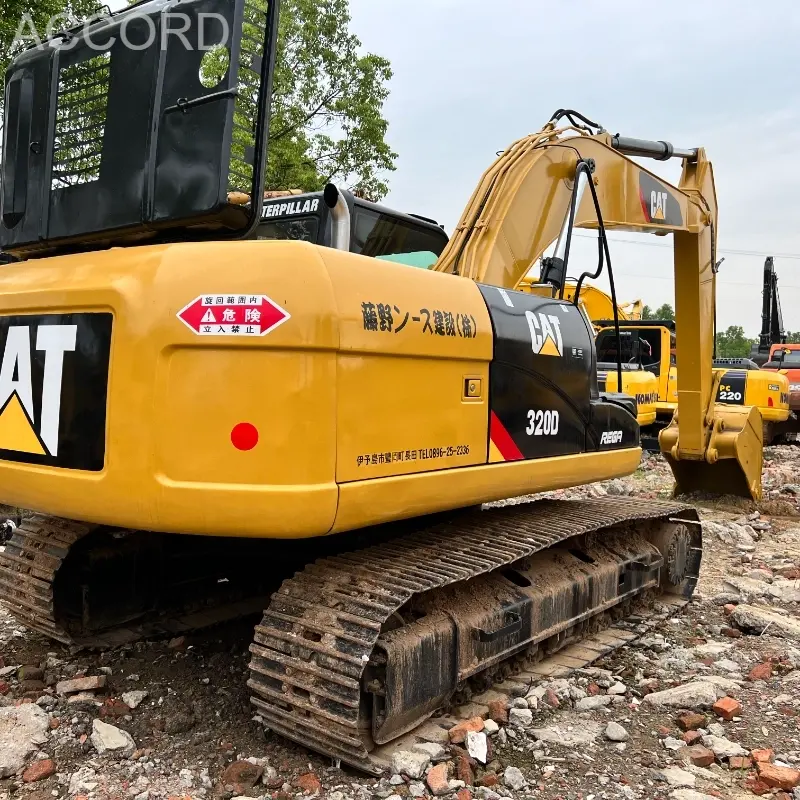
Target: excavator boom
(522, 204)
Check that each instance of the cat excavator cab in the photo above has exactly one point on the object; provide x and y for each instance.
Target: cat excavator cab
(202, 422)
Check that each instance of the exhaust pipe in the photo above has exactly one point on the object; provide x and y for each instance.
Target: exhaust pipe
(340, 213)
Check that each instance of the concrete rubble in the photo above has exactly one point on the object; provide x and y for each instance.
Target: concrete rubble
(703, 703)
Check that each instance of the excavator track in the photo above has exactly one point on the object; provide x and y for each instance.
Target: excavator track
(322, 646)
(35, 554)
(32, 557)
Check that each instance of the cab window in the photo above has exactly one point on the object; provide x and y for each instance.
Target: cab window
(302, 229)
(376, 235)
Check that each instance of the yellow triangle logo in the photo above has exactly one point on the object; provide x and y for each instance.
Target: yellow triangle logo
(16, 432)
(549, 348)
(659, 213)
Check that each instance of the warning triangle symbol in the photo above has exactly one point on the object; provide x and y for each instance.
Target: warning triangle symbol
(209, 316)
(16, 432)
(549, 348)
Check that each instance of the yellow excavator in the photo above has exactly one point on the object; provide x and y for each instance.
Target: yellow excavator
(596, 303)
(648, 353)
(196, 417)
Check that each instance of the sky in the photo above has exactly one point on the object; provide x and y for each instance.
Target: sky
(471, 77)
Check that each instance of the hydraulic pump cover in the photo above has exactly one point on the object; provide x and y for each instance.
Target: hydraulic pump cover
(148, 123)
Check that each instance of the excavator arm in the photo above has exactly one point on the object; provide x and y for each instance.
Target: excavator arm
(523, 203)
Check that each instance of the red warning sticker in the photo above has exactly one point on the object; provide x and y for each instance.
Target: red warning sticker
(233, 315)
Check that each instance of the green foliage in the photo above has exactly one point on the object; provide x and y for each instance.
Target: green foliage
(732, 343)
(664, 311)
(327, 121)
(792, 337)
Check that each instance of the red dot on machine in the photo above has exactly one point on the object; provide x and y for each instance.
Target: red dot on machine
(244, 436)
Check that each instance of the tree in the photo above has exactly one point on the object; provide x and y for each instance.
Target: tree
(327, 103)
(792, 337)
(664, 311)
(732, 343)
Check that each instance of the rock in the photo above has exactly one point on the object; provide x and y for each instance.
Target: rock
(691, 721)
(464, 770)
(675, 776)
(778, 777)
(133, 699)
(498, 710)
(569, 736)
(514, 779)
(431, 732)
(723, 748)
(756, 786)
(309, 783)
(433, 750)
(724, 686)
(490, 726)
(241, 776)
(697, 694)
(712, 648)
(178, 643)
(699, 756)
(22, 730)
(551, 699)
(593, 703)
(81, 684)
(762, 755)
(616, 733)
(691, 794)
(726, 665)
(83, 781)
(463, 794)
(671, 743)
(617, 688)
(107, 737)
(114, 708)
(417, 789)
(727, 708)
(757, 619)
(477, 745)
(411, 763)
(458, 733)
(39, 770)
(740, 762)
(437, 779)
(760, 672)
(715, 729)
(520, 717)
(692, 737)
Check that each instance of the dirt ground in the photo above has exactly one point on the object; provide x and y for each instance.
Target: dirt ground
(190, 731)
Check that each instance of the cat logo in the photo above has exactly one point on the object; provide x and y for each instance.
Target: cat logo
(658, 205)
(53, 388)
(545, 334)
(17, 428)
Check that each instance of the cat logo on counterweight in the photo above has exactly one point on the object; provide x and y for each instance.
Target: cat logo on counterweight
(53, 377)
